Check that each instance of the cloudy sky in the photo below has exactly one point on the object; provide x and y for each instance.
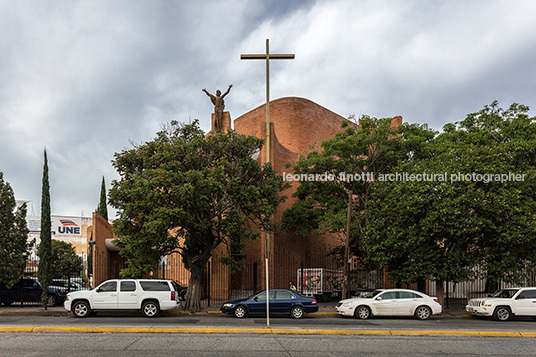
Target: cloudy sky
(86, 78)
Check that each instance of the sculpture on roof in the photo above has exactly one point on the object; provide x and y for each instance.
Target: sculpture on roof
(219, 106)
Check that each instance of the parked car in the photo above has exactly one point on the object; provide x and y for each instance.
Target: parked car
(148, 295)
(505, 303)
(66, 284)
(281, 302)
(28, 289)
(390, 302)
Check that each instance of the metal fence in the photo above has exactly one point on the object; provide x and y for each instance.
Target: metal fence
(316, 275)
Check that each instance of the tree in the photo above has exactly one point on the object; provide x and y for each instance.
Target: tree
(102, 208)
(64, 259)
(450, 226)
(345, 166)
(44, 250)
(187, 193)
(14, 244)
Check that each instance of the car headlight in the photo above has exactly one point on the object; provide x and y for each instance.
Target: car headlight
(227, 305)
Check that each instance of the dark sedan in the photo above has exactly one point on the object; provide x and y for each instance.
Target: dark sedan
(281, 302)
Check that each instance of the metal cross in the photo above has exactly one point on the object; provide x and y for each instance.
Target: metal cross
(267, 56)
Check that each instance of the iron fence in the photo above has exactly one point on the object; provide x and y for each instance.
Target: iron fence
(315, 275)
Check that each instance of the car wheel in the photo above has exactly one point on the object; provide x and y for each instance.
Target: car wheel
(502, 313)
(423, 312)
(240, 311)
(81, 309)
(296, 312)
(52, 300)
(150, 309)
(362, 312)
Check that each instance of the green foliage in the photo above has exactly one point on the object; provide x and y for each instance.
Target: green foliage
(45, 246)
(102, 208)
(65, 261)
(444, 230)
(363, 150)
(14, 245)
(187, 193)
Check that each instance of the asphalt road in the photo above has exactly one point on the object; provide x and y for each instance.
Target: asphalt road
(216, 320)
(223, 345)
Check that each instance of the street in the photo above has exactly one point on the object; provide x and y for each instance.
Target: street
(209, 334)
(222, 345)
(312, 321)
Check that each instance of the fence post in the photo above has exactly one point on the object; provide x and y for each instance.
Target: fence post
(301, 277)
(447, 294)
(255, 278)
(208, 283)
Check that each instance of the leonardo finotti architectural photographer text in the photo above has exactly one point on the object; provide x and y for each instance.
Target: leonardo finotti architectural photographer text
(406, 176)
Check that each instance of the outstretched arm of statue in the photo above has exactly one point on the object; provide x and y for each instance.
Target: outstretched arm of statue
(227, 92)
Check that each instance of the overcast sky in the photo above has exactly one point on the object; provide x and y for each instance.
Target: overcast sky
(86, 78)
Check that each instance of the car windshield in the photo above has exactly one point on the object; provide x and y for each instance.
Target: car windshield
(372, 294)
(506, 293)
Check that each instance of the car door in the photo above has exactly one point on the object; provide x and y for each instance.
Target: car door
(407, 302)
(32, 290)
(258, 303)
(128, 295)
(284, 300)
(105, 295)
(525, 303)
(385, 303)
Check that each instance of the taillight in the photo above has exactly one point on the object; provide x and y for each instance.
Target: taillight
(172, 296)
(314, 301)
(436, 300)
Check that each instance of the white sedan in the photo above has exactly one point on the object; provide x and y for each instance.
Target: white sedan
(390, 302)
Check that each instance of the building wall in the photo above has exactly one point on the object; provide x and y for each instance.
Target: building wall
(70, 229)
(296, 124)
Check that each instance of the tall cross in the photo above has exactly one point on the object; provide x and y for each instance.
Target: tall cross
(267, 56)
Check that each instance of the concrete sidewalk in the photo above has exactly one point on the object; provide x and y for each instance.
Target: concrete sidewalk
(29, 310)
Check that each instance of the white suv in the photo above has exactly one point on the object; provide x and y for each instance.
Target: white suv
(505, 303)
(148, 295)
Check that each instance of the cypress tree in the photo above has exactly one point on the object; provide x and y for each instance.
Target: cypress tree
(102, 208)
(45, 247)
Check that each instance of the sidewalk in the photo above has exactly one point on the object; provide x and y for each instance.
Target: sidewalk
(60, 310)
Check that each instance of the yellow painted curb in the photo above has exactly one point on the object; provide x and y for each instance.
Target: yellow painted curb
(269, 331)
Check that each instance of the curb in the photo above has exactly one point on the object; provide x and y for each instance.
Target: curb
(270, 331)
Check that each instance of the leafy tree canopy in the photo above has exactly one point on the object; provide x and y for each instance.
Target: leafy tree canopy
(443, 228)
(65, 260)
(354, 158)
(189, 193)
(14, 244)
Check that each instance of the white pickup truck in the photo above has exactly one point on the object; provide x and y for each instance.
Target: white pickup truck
(148, 295)
(505, 303)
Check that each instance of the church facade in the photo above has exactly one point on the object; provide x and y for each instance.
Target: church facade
(295, 125)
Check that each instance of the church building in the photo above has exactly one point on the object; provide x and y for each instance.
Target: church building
(295, 125)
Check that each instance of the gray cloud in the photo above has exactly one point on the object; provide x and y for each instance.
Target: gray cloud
(84, 78)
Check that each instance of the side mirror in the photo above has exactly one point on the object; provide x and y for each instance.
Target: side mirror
(256, 298)
(98, 290)
(378, 298)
